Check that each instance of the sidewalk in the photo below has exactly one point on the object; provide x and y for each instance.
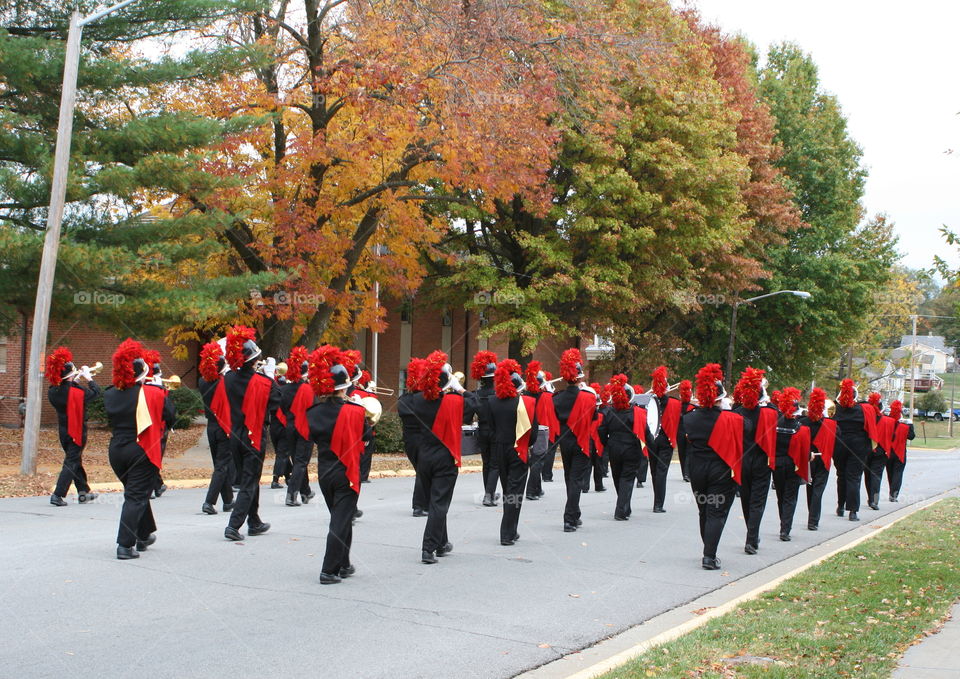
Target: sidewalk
(937, 656)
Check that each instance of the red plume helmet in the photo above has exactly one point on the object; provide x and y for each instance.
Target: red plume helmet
(787, 401)
(210, 356)
(351, 360)
(530, 377)
(659, 386)
(55, 362)
(318, 372)
(503, 384)
(707, 378)
(295, 360)
(896, 410)
(874, 399)
(365, 378)
(123, 358)
(639, 389)
(848, 396)
(152, 357)
(431, 375)
(686, 391)
(415, 370)
(480, 363)
(816, 404)
(618, 392)
(569, 360)
(748, 389)
(547, 375)
(236, 337)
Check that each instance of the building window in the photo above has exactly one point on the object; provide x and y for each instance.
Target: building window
(3, 354)
(447, 318)
(403, 382)
(406, 311)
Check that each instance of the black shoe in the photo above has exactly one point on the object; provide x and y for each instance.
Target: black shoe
(365, 481)
(894, 498)
(639, 484)
(488, 501)
(600, 489)
(292, 501)
(579, 522)
(750, 549)
(58, 501)
(161, 490)
(357, 514)
(124, 553)
(710, 564)
(232, 534)
(875, 506)
(569, 528)
(541, 494)
(445, 549)
(143, 544)
(840, 511)
(208, 508)
(228, 506)
(329, 578)
(83, 498)
(784, 537)
(533, 497)
(659, 510)
(259, 529)
(854, 517)
(419, 512)
(275, 485)
(428, 557)
(235, 487)
(586, 490)
(687, 479)
(550, 480)
(620, 517)
(510, 541)
(812, 526)
(347, 571)
(307, 497)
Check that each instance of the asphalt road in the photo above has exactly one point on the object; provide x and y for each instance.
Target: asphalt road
(196, 605)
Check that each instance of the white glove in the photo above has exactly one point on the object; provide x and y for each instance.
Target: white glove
(86, 374)
(270, 367)
(454, 385)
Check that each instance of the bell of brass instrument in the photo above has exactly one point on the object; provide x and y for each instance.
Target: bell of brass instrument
(172, 382)
(281, 368)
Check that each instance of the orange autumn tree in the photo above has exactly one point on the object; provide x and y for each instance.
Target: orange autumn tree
(370, 110)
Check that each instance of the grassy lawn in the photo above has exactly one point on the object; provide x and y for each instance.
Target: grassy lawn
(933, 434)
(851, 616)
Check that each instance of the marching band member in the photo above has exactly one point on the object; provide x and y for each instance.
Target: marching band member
(576, 409)
(902, 432)
(823, 434)
(713, 439)
(686, 394)
(857, 423)
(353, 361)
(69, 398)
(793, 458)
(483, 367)
(760, 451)
(597, 453)
(661, 448)
(411, 429)
(624, 432)
(645, 460)
(253, 396)
(138, 414)
(514, 423)
(538, 387)
(216, 407)
(155, 379)
(295, 397)
(282, 446)
(546, 384)
(877, 460)
(338, 427)
(440, 408)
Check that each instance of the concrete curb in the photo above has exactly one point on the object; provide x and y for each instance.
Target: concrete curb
(621, 648)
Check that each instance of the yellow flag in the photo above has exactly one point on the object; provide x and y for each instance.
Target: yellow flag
(143, 413)
(523, 420)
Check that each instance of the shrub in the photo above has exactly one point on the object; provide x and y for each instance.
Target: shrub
(389, 434)
(932, 402)
(188, 403)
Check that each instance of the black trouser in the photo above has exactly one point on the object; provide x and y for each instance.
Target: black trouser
(661, 453)
(713, 489)
(420, 500)
(513, 480)
(366, 459)
(490, 472)
(682, 456)
(301, 451)
(596, 463)
(246, 508)
(139, 477)
(549, 461)
(438, 473)
(624, 463)
(787, 484)
(852, 458)
(754, 489)
(576, 475)
(72, 470)
(873, 475)
(538, 454)
(222, 461)
(895, 474)
(341, 500)
(643, 468)
(158, 483)
(282, 454)
(237, 454)
(818, 483)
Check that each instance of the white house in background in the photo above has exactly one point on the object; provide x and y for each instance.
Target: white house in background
(600, 348)
(889, 381)
(933, 356)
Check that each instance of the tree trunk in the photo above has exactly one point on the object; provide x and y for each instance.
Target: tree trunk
(276, 338)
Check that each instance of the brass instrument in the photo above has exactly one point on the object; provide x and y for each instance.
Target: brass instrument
(830, 408)
(281, 368)
(172, 382)
(371, 405)
(97, 367)
(380, 391)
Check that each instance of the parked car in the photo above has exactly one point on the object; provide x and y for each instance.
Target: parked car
(938, 416)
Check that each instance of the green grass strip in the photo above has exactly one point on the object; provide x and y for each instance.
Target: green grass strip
(851, 616)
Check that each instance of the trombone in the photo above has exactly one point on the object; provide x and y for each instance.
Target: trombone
(374, 388)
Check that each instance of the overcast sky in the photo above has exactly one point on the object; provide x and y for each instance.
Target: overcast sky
(894, 68)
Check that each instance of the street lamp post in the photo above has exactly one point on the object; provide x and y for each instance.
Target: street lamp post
(51, 243)
(733, 323)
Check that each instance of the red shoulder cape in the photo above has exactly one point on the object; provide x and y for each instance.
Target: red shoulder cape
(671, 420)
(799, 452)
(75, 398)
(547, 415)
(346, 442)
(726, 439)
(825, 440)
(580, 421)
(255, 401)
(766, 436)
(448, 425)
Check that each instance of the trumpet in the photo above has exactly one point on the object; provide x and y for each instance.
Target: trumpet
(172, 382)
(373, 387)
(87, 370)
